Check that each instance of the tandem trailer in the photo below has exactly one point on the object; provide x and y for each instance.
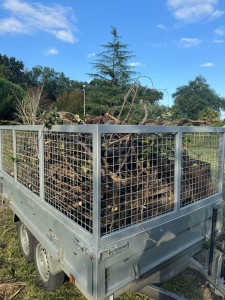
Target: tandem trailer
(111, 206)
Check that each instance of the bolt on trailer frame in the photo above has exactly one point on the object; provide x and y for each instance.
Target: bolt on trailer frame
(111, 203)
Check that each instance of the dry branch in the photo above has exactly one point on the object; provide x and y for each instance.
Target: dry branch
(137, 176)
(146, 113)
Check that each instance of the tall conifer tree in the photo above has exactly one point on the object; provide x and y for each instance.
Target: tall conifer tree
(112, 64)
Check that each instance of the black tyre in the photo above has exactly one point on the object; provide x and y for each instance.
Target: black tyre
(48, 280)
(27, 241)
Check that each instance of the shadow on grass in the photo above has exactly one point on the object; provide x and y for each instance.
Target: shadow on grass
(191, 285)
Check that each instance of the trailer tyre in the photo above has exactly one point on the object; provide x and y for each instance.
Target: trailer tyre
(49, 281)
(26, 240)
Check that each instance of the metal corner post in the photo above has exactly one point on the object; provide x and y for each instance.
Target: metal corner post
(14, 154)
(96, 188)
(177, 174)
(98, 289)
(41, 164)
(221, 161)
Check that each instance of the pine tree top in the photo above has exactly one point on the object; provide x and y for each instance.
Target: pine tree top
(112, 63)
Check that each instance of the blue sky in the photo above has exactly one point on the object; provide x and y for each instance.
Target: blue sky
(173, 40)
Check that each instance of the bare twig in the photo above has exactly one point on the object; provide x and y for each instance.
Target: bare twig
(126, 96)
(27, 108)
(17, 292)
(146, 113)
(132, 103)
(113, 118)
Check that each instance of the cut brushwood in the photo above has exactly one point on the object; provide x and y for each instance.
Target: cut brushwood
(137, 174)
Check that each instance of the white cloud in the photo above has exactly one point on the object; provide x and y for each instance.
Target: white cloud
(191, 11)
(66, 36)
(51, 51)
(220, 30)
(161, 26)
(209, 64)
(187, 43)
(135, 64)
(91, 55)
(56, 19)
(12, 26)
(218, 41)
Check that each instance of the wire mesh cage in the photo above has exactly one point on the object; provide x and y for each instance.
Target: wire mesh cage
(137, 179)
(200, 166)
(68, 175)
(7, 151)
(27, 158)
(138, 172)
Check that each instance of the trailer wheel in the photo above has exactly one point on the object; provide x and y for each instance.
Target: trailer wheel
(49, 281)
(27, 241)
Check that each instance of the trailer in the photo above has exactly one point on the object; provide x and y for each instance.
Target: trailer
(111, 206)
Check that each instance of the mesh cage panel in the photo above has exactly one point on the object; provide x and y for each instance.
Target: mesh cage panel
(27, 160)
(68, 171)
(137, 178)
(200, 166)
(7, 152)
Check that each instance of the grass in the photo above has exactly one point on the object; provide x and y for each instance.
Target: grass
(191, 285)
(18, 279)
(17, 276)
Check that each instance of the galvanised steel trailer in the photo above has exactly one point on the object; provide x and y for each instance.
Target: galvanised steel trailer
(107, 204)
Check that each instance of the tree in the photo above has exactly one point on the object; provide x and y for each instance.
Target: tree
(5, 73)
(209, 115)
(102, 98)
(111, 64)
(111, 82)
(78, 85)
(157, 111)
(71, 102)
(9, 94)
(12, 70)
(191, 99)
(28, 109)
(54, 83)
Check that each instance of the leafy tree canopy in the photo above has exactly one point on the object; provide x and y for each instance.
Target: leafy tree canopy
(71, 102)
(54, 83)
(190, 100)
(9, 94)
(102, 98)
(78, 85)
(12, 70)
(209, 115)
(157, 111)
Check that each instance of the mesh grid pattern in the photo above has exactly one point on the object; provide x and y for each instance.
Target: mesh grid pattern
(200, 166)
(27, 160)
(7, 152)
(137, 173)
(137, 178)
(68, 171)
